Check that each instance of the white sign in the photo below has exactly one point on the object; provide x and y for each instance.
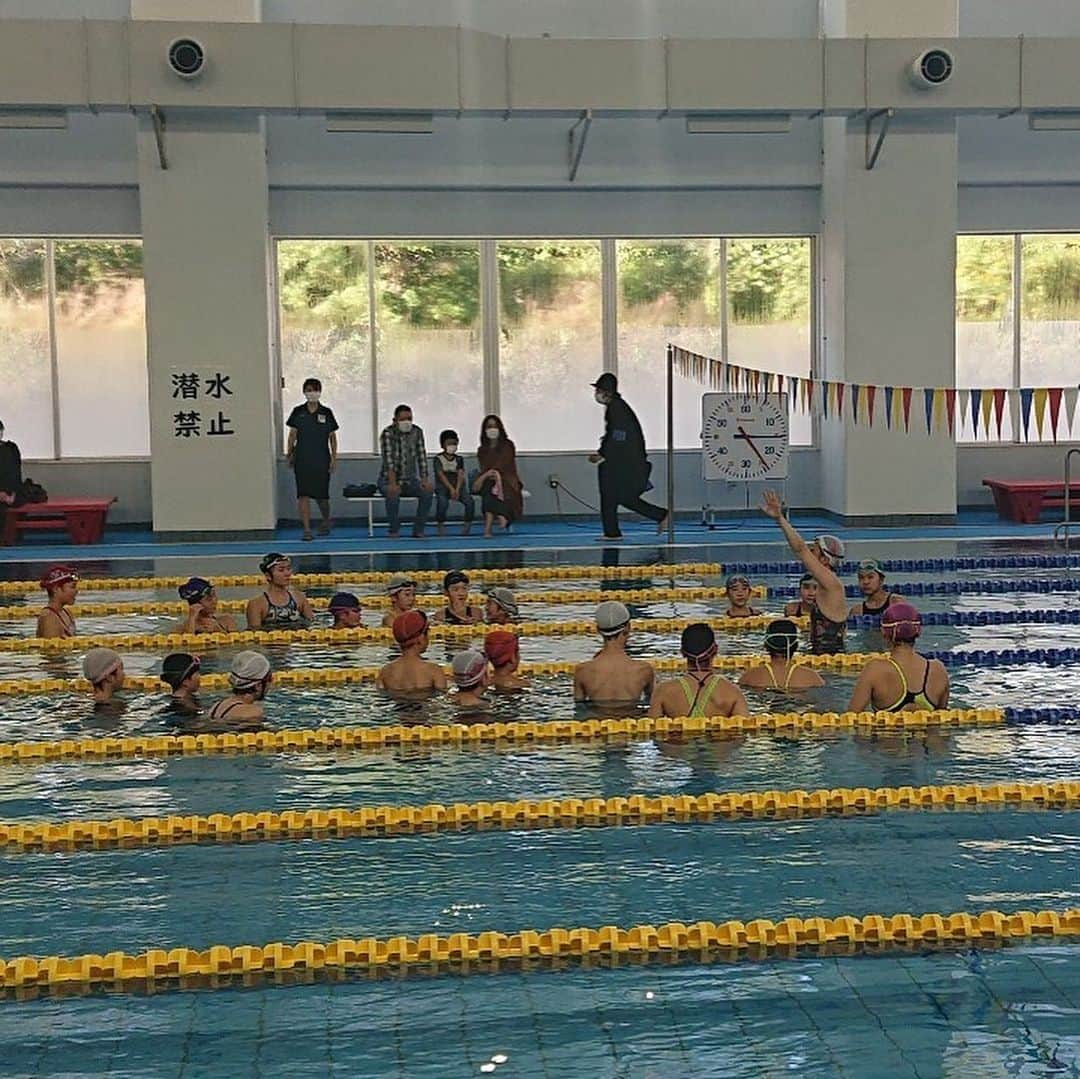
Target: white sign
(744, 437)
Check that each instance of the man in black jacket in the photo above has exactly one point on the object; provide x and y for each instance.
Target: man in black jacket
(624, 468)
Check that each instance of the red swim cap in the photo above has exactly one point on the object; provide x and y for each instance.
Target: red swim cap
(55, 576)
(901, 622)
(409, 625)
(501, 647)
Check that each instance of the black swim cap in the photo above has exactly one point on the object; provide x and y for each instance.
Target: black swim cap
(177, 667)
(455, 576)
(697, 640)
(782, 638)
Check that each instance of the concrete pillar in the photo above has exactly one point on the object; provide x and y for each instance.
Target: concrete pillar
(888, 262)
(205, 251)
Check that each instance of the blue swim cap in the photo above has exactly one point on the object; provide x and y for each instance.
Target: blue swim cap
(195, 589)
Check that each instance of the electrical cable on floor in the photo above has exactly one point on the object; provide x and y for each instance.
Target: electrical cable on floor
(558, 485)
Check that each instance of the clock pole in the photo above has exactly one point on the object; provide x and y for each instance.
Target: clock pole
(671, 444)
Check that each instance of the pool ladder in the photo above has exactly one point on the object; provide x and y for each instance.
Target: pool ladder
(1065, 527)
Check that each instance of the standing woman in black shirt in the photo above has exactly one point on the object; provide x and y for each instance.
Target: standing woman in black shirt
(313, 455)
(11, 480)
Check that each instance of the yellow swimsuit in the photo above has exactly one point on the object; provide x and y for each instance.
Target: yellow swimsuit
(920, 699)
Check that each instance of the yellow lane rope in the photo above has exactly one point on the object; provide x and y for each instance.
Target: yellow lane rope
(330, 580)
(172, 642)
(378, 601)
(257, 826)
(339, 676)
(487, 952)
(460, 735)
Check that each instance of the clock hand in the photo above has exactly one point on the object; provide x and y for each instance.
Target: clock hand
(743, 435)
(750, 443)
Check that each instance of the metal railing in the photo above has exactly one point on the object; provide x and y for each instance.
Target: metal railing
(1064, 528)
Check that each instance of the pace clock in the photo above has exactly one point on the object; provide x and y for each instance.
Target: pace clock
(744, 437)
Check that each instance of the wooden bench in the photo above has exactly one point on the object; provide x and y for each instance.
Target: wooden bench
(82, 518)
(1023, 500)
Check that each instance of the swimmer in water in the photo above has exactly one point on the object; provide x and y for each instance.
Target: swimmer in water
(876, 597)
(801, 607)
(781, 671)
(180, 672)
(61, 585)
(402, 593)
(828, 616)
(279, 605)
(346, 611)
(738, 594)
(885, 684)
(470, 670)
(202, 617)
(611, 676)
(458, 611)
(250, 676)
(501, 608)
(701, 691)
(503, 652)
(410, 672)
(104, 670)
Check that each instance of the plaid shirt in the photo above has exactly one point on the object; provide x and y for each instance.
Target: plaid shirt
(405, 455)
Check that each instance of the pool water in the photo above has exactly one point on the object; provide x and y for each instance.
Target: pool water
(1008, 1012)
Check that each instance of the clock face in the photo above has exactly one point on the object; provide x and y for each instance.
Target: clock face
(744, 437)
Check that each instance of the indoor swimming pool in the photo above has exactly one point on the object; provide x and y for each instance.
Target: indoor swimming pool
(1009, 1010)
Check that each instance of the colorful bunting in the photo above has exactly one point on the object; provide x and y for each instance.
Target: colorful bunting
(890, 393)
(1040, 410)
(1026, 399)
(987, 409)
(928, 407)
(1070, 409)
(999, 408)
(905, 393)
(856, 391)
(1055, 410)
(950, 410)
(871, 393)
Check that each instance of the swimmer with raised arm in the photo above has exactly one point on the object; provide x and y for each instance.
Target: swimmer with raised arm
(781, 671)
(611, 676)
(701, 691)
(828, 616)
(904, 681)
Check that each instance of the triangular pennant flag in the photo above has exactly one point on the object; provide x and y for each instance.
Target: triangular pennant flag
(999, 408)
(1055, 409)
(840, 400)
(1070, 409)
(779, 386)
(889, 392)
(1041, 395)
(1026, 398)
(871, 393)
(986, 408)
(950, 409)
(928, 407)
(825, 393)
(905, 393)
(856, 393)
(965, 404)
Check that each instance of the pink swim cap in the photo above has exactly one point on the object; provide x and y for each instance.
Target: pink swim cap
(901, 622)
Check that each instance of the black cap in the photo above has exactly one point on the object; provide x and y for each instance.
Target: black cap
(455, 576)
(177, 667)
(607, 383)
(344, 601)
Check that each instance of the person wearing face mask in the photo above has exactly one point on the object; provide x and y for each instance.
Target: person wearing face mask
(404, 471)
(11, 478)
(624, 467)
(450, 486)
(312, 454)
(498, 482)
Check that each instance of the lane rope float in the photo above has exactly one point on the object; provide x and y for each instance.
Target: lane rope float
(921, 565)
(360, 635)
(379, 601)
(220, 966)
(331, 580)
(636, 810)
(461, 735)
(339, 676)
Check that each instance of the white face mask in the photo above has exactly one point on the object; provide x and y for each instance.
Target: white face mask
(312, 396)
(601, 397)
(451, 449)
(492, 433)
(404, 426)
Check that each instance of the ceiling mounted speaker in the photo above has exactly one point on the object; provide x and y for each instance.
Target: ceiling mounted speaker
(186, 58)
(932, 69)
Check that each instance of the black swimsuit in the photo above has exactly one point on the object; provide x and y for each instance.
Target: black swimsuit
(877, 611)
(452, 619)
(826, 636)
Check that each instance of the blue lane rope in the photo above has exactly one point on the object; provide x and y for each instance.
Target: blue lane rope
(1021, 616)
(954, 588)
(922, 565)
(992, 657)
(1041, 715)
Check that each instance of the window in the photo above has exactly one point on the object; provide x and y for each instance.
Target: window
(73, 334)
(669, 290)
(25, 354)
(428, 338)
(768, 309)
(991, 351)
(101, 348)
(532, 351)
(550, 342)
(984, 319)
(325, 332)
